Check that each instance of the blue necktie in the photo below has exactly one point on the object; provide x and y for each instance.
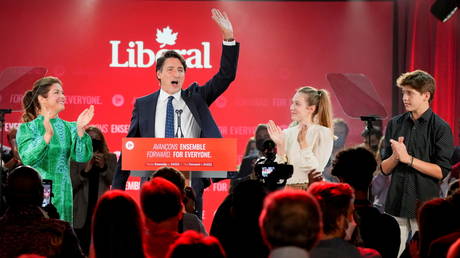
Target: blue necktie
(169, 129)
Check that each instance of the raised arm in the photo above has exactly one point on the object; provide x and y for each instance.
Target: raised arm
(228, 62)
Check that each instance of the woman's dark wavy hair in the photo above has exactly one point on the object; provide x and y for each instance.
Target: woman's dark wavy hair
(105, 148)
(30, 100)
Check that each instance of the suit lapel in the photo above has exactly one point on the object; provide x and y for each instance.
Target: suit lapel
(187, 97)
(151, 106)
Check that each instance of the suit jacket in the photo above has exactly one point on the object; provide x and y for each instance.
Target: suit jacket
(197, 98)
(80, 185)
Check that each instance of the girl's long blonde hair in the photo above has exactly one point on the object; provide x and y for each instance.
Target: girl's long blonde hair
(319, 98)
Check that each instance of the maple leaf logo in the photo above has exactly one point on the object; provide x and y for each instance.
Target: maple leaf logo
(166, 37)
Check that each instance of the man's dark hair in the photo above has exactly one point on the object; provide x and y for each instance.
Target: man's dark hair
(117, 226)
(334, 200)
(291, 218)
(260, 127)
(436, 218)
(24, 187)
(160, 200)
(248, 198)
(172, 175)
(454, 250)
(170, 54)
(419, 80)
(355, 166)
(260, 136)
(194, 244)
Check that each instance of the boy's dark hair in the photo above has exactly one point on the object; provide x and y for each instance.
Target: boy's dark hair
(355, 166)
(419, 80)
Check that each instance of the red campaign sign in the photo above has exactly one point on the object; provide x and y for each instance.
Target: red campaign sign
(194, 154)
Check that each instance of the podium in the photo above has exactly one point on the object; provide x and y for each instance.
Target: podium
(204, 157)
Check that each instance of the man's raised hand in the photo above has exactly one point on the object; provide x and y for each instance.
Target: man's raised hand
(224, 23)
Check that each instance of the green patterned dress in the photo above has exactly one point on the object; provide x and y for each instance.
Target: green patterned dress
(52, 160)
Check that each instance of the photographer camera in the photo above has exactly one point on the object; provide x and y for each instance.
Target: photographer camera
(272, 174)
(246, 170)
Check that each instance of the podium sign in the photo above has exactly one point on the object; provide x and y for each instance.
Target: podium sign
(194, 154)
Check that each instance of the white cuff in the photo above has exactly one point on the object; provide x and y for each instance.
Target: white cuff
(229, 43)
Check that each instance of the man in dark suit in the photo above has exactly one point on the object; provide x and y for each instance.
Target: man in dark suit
(153, 115)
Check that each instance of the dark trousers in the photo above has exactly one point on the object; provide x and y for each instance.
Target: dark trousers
(198, 185)
(84, 236)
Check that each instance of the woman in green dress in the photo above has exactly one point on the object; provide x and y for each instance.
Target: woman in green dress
(47, 143)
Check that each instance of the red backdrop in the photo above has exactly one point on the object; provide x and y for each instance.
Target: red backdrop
(284, 45)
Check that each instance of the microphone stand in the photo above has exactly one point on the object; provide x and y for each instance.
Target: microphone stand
(368, 120)
(179, 127)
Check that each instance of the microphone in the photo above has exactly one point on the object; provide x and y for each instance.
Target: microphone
(179, 128)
